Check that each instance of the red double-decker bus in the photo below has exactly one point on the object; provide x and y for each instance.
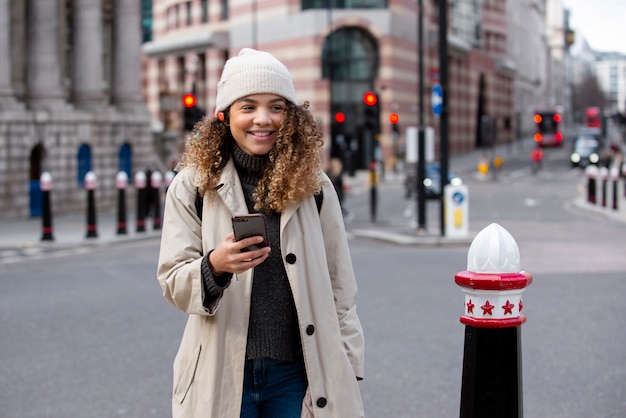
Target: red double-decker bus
(548, 123)
(593, 118)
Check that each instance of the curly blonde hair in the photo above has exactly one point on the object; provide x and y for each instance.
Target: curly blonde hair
(292, 172)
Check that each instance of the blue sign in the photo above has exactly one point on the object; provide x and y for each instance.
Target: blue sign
(458, 197)
(436, 99)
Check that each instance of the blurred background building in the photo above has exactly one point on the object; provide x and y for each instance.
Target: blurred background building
(70, 100)
(98, 84)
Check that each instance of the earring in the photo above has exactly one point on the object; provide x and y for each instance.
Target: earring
(220, 116)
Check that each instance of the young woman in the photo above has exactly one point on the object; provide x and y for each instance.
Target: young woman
(272, 332)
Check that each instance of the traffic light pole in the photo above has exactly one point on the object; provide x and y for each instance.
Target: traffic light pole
(443, 74)
(421, 165)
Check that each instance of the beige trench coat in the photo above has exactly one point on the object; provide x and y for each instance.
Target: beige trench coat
(208, 369)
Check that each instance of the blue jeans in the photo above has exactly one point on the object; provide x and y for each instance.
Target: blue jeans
(273, 389)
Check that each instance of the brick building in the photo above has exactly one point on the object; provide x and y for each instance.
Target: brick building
(337, 51)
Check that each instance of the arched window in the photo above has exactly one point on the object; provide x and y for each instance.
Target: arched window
(350, 54)
(126, 159)
(350, 61)
(84, 163)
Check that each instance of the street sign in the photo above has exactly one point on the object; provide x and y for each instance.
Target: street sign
(436, 99)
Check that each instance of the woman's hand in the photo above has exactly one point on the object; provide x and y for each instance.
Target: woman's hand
(227, 257)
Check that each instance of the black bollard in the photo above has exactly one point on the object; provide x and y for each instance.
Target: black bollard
(121, 182)
(492, 357)
(90, 185)
(615, 181)
(373, 192)
(46, 187)
(140, 185)
(156, 179)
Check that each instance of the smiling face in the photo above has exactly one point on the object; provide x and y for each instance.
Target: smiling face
(255, 121)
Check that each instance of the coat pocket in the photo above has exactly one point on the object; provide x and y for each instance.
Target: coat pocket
(185, 379)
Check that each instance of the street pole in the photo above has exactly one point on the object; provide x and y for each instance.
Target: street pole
(421, 161)
(443, 75)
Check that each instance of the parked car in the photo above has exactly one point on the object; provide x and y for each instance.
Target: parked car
(432, 181)
(586, 151)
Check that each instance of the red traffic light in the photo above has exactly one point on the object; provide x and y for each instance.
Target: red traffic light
(189, 100)
(340, 117)
(370, 98)
(394, 118)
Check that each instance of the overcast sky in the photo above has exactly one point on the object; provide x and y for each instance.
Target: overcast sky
(601, 22)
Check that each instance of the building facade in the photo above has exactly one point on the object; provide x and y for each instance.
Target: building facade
(610, 68)
(337, 51)
(70, 101)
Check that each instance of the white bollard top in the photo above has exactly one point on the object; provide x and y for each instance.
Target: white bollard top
(614, 173)
(493, 250)
(140, 180)
(156, 178)
(604, 173)
(121, 180)
(45, 182)
(591, 171)
(91, 180)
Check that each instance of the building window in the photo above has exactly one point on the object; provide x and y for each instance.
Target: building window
(205, 11)
(188, 13)
(344, 4)
(146, 20)
(224, 9)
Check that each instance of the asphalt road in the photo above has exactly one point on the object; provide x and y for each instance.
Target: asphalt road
(89, 334)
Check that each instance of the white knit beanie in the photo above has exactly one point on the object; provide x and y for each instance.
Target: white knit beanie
(253, 72)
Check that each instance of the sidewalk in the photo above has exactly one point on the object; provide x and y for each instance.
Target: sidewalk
(24, 236)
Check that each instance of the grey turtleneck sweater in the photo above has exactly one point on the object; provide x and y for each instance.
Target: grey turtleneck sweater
(273, 327)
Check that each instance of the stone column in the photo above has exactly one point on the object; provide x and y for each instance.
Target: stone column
(7, 98)
(127, 56)
(87, 60)
(45, 89)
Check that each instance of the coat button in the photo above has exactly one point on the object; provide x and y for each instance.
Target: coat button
(310, 330)
(291, 258)
(321, 402)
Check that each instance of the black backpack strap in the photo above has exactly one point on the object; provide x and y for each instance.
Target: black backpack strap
(199, 201)
(319, 199)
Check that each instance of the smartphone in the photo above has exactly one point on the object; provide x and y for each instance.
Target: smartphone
(245, 226)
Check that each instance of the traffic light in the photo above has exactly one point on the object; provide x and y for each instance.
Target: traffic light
(394, 119)
(189, 100)
(372, 112)
(191, 112)
(340, 117)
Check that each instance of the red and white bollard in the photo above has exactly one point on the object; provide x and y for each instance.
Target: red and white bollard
(45, 182)
(140, 184)
(121, 183)
(591, 171)
(492, 362)
(91, 182)
(156, 179)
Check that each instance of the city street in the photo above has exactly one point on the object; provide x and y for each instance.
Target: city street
(88, 334)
